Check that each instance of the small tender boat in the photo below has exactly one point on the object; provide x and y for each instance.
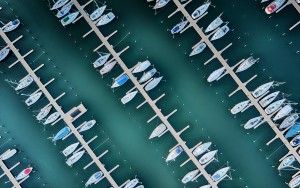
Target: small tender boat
(295, 141)
(174, 153)
(101, 60)
(24, 82)
(74, 158)
(97, 13)
(289, 121)
(201, 149)
(216, 74)
(141, 66)
(61, 134)
(70, 149)
(208, 157)
(94, 179)
(87, 125)
(293, 131)
(214, 24)
(284, 111)
(218, 175)
(274, 106)
(120, 80)
(253, 122)
(105, 19)
(52, 118)
(132, 183)
(33, 98)
(64, 10)
(198, 49)
(286, 162)
(178, 27)
(69, 18)
(264, 102)
(249, 62)
(59, 4)
(153, 83)
(160, 3)
(8, 154)
(295, 182)
(220, 33)
(240, 107)
(157, 132)
(107, 67)
(261, 90)
(200, 10)
(10, 26)
(146, 76)
(190, 176)
(24, 173)
(128, 97)
(274, 6)
(44, 112)
(4, 53)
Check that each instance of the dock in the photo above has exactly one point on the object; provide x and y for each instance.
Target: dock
(7, 172)
(297, 7)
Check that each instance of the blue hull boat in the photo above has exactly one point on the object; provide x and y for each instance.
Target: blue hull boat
(294, 130)
(120, 80)
(61, 134)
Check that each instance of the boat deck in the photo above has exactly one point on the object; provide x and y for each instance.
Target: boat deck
(11, 178)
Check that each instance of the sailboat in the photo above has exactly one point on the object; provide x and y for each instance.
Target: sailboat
(218, 175)
(141, 66)
(286, 162)
(128, 97)
(94, 179)
(33, 98)
(158, 131)
(120, 80)
(61, 134)
(274, 6)
(214, 24)
(70, 149)
(190, 176)
(24, 173)
(249, 62)
(198, 49)
(220, 33)
(253, 122)
(240, 107)
(8, 154)
(295, 182)
(59, 4)
(295, 141)
(52, 118)
(74, 158)
(24, 82)
(261, 90)
(207, 157)
(132, 183)
(44, 112)
(274, 106)
(215, 75)
(293, 131)
(4, 53)
(160, 3)
(64, 10)
(264, 102)
(289, 121)
(200, 10)
(284, 111)
(69, 18)
(174, 153)
(86, 126)
(178, 27)
(10, 26)
(199, 150)
(107, 67)
(101, 60)
(153, 83)
(97, 13)
(146, 76)
(105, 19)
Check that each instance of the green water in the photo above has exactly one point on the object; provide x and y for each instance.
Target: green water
(123, 129)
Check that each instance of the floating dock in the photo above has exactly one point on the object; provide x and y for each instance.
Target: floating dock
(297, 7)
(7, 172)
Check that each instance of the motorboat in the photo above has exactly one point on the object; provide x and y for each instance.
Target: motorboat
(52, 118)
(4, 53)
(87, 125)
(249, 62)
(295, 141)
(59, 4)
(264, 102)
(97, 13)
(128, 97)
(286, 162)
(146, 76)
(61, 134)
(8, 154)
(74, 158)
(69, 18)
(199, 150)
(132, 183)
(101, 60)
(274, 106)
(33, 98)
(293, 131)
(218, 175)
(105, 19)
(274, 6)
(94, 179)
(120, 80)
(214, 24)
(200, 10)
(44, 112)
(261, 90)
(10, 26)
(24, 82)
(24, 173)
(215, 75)
(107, 67)
(208, 157)
(253, 122)
(158, 131)
(190, 176)
(64, 10)
(174, 153)
(284, 111)
(153, 83)
(240, 107)
(220, 33)
(178, 27)
(70, 149)
(160, 3)
(289, 121)
(141, 66)
(198, 49)
(295, 182)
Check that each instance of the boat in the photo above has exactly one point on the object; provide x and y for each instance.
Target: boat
(24, 82)
(101, 60)
(70, 149)
(128, 97)
(10, 26)
(43, 112)
(253, 122)
(295, 182)
(74, 158)
(198, 49)
(208, 157)
(295, 141)
(261, 90)
(4, 53)
(120, 80)
(158, 131)
(200, 10)
(94, 179)
(274, 6)
(140, 186)
(190, 176)
(132, 183)
(218, 175)
(64, 10)
(107, 67)
(105, 19)
(153, 83)
(52, 118)
(174, 153)
(284, 111)
(24, 173)
(146, 76)
(214, 24)
(220, 33)
(293, 131)
(205, 186)
(59, 4)
(178, 27)
(286, 162)
(160, 3)
(240, 107)
(87, 125)
(69, 18)
(249, 62)
(289, 121)
(274, 106)
(264, 102)
(141, 66)
(97, 13)
(33, 98)
(8, 154)
(61, 134)
(199, 150)
(216, 74)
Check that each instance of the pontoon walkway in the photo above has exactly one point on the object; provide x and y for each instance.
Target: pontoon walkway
(7, 172)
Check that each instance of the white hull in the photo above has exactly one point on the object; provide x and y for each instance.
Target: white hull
(201, 149)
(190, 176)
(53, 117)
(94, 179)
(261, 90)
(174, 154)
(59, 4)
(214, 24)
(289, 121)
(70, 149)
(33, 98)
(23, 174)
(218, 175)
(105, 19)
(158, 131)
(108, 67)
(146, 76)
(253, 122)
(101, 60)
(44, 112)
(286, 162)
(8, 154)
(128, 97)
(249, 62)
(69, 18)
(97, 13)
(198, 49)
(160, 4)
(74, 158)
(240, 107)
(179, 27)
(153, 83)
(132, 183)
(286, 110)
(200, 10)
(216, 74)
(4, 53)
(274, 106)
(64, 10)
(141, 66)
(25, 82)
(10, 26)
(88, 125)
(221, 32)
(295, 182)
(264, 102)
(208, 157)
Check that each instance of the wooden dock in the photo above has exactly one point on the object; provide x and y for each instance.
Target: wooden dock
(7, 172)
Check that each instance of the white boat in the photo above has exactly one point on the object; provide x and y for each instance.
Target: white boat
(249, 62)
(69, 18)
(132, 183)
(70, 149)
(215, 75)
(174, 153)
(59, 4)
(141, 66)
(253, 122)
(240, 107)
(24, 82)
(101, 60)
(198, 49)
(205, 186)
(274, 6)
(140, 186)
(220, 33)
(105, 19)
(274, 106)
(146, 76)
(128, 97)
(214, 24)
(158, 131)
(53, 117)
(199, 150)
(284, 111)
(97, 13)
(4, 53)
(295, 182)
(264, 102)
(179, 27)
(261, 90)
(286, 162)
(8, 154)
(64, 10)
(10, 26)
(75, 157)
(153, 83)
(87, 125)
(94, 179)
(107, 67)
(44, 112)
(289, 121)
(190, 176)
(33, 98)
(218, 175)
(160, 3)
(200, 10)
(208, 157)
(24, 173)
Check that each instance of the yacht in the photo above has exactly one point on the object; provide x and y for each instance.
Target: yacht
(253, 122)
(75, 157)
(295, 141)
(59, 4)
(44, 112)
(160, 3)
(24, 173)
(4, 53)
(274, 106)
(132, 183)
(289, 121)
(174, 153)
(261, 90)
(286, 162)
(201, 149)
(240, 107)
(214, 24)
(153, 83)
(218, 175)
(107, 67)
(120, 80)
(216, 74)
(70, 149)
(198, 49)
(8, 154)
(105, 19)
(52, 118)
(87, 125)
(61, 134)
(33, 98)
(146, 76)
(190, 176)
(284, 111)
(208, 157)
(24, 82)
(101, 60)
(264, 102)
(293, 131)
(249, 62)
(64, 10)
(295, 182)
(97, 13)
(200, 10)
(158, 131)
(94, 179)
(69, 18)
(141, 66)
(178, 27)
(128, 97)
(274, 6)
(10, 26)
(140, 186)
(220, 33)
